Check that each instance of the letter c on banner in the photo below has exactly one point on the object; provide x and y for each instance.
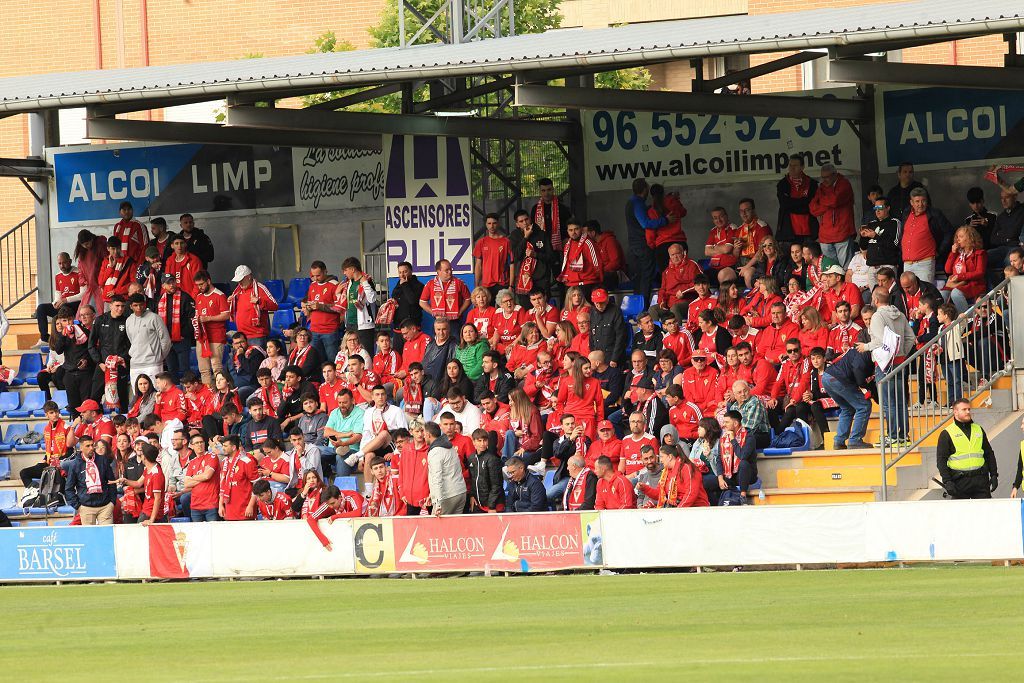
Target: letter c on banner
(373, 541)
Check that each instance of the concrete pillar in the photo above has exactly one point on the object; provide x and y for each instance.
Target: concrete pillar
(43, 131)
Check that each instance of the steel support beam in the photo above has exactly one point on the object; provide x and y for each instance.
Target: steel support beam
(861, 71)
(359, 97)
(30, 169)
(460, 96)
(696, 103)
(215, 134)
(399, 124)
(859, 49)
(759, 70)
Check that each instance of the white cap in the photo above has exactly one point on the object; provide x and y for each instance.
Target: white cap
(241, 272)
(831, 270)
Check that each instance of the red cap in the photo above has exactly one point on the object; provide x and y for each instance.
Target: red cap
(88, 404)
(599, 296)
(604, 424)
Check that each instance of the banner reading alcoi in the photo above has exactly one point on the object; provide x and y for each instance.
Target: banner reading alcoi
(700, 149)
(428, 215)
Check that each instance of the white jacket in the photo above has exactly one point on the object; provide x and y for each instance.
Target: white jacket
(444, 471)
(363, 315)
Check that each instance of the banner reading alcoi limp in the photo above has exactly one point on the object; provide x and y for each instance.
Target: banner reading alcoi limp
(428, 215)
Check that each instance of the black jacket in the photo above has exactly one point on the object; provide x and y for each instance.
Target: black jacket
(899, 198)
(1008, 228)
(245, 373)
(884, 248)
(199, 243)
(486, 482)
(436, 357)
(167, 245)
(986, 228)
(944, 448)
(76, 492)
(563, 449)
(254, 433)
(651, 347)
(293, 404)
(73, 352)
(108, 338)
(788, 205)
(542, 251)
(188, 312)
(608, 332)
(941, 229)
(504, 384)
(407, 295)
(527, 495)
(612, 381)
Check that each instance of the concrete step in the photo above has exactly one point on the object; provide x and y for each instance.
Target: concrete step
(833, 477)
(22, 335)
(814, 496)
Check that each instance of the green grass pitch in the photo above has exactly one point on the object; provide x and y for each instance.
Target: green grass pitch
(947, 623)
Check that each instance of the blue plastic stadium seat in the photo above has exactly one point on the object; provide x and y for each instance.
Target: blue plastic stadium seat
(9, 400)
(276, 288)
(13, 432)
(60, 397)
(193, 361)
(282, 319)
(31, 364)
(33, 402)
(345, 483)
(41, 511)
(33, 446)
(231, 326)
(34, 522)
(65, 510)
(225, 287)
(8, 499)
(298, 287)
(180, 520)
(5, 470)
(60, 522)
(704, 263)
(632, 306)
(549, 478)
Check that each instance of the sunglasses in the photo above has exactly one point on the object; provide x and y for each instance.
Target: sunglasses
(792, 350)
(879, 207)
(700, 360)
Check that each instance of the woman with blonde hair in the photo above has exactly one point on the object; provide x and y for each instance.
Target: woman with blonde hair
(564, 334)
(757, 307)
(526, 429)
(575, 302)
(480, 314)
(966, 266)
(522, 356)
(813, 333)
(580, 395)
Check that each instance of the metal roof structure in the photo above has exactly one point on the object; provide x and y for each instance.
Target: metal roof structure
(844, 31)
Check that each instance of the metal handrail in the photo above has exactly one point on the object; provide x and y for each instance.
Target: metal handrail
(17, 248)
(998, 295)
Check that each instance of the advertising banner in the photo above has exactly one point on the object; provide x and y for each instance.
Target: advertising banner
(428, 212)
(511, 543)
(180, 551)
(949, 127)
(374, 545)
(90, 182)
(281, 548)
(51, 553)
(677, 149)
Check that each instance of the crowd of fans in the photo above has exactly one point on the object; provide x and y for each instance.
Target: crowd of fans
(535, 371)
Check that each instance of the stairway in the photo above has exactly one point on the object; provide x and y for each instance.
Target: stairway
(855, 476)
(24, 333)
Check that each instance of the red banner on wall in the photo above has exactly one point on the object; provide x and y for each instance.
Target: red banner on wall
(527, 542)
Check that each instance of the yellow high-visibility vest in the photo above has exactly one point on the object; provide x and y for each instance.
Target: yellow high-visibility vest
(968, 454)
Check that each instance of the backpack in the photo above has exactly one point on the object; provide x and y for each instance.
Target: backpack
(50, 494)
(790, 437)
(731, 497)
(28, 439)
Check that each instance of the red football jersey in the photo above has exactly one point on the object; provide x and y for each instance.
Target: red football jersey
(631, 451)
(154, 484)
(279, 507)
(204, 494)
(213, 303)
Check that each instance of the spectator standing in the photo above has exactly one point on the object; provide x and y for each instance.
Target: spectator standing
(445, 297)
(832, 205)
(89, 485)
(407, 293)
(981, 219)
(844, 381)
(161, 240)
(444, 473)
(211, 308)
(196, 241)
(580, 264)
(250, 306)
(116, 272)
(533, 258)
(318, 306)
(357, 299)
(795, 192)
(491, 254)
(663, 204)
(130, 234)
(90, 251)
(926, 236)
(550, 215)
(900, 194)
(183, 265)
(884, 237)
(894, 398)
(486, 491)
(1008, 231)
(413, 482)
(607, 329)
(609, 253)
(638, 223)
(239, 472)
(108, 348)
(177, 311)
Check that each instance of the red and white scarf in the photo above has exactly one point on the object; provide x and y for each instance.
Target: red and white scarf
(524, 280)
(55, 438)
(574, 495)
(555, 229)
(272, 397)
(228, 473)
(298, 356)
(111, 373)
(257, 309)
(444, 299)
(151, 286)
(385, 499)
(731, 463)
(118, 265)
(174, 322)
(77, 332)
(798, 301)
(93, 483)
(413, 396)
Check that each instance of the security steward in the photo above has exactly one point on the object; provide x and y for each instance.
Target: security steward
(965, 458)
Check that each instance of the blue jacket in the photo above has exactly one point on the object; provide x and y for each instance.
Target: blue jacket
(75, 490)
(527, 495)
(852, 368)
(637, 222)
